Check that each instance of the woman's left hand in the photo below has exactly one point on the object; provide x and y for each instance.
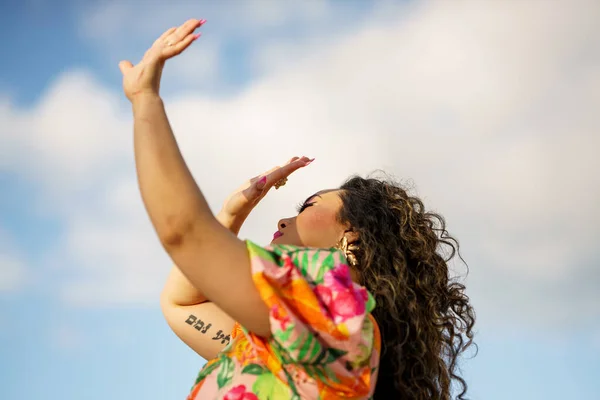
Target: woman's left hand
(144, 78)
(241, 202)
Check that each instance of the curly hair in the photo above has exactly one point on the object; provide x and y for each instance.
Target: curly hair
(425, 318)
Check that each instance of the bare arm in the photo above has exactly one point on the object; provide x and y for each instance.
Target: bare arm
(208, 254)
(213, 264)
(178, 290)
(199, 323)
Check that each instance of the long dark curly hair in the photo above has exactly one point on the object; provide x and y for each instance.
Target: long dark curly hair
(425, 318)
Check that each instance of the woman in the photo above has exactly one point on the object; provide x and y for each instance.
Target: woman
(351, 300)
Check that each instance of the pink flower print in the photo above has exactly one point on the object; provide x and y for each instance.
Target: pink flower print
(347, 304)
(339, 277)
(281, 315)
(340, 295)
(239, 393)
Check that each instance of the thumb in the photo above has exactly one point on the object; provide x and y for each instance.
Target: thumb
(255, 190)
(260, 185)
(125, 66)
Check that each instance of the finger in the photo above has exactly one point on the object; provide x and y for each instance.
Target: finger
(261, 183)
(292, 160)
(180, 46)
(254, 191)
(185, 29)
(287, 170)
(124, 66)
(166, 34)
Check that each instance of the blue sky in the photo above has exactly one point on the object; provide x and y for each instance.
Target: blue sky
(488, 110)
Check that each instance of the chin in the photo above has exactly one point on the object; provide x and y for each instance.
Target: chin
(280, 240)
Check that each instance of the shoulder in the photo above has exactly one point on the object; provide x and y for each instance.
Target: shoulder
(308, 261)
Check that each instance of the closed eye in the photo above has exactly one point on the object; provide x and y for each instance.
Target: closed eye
(303, 206)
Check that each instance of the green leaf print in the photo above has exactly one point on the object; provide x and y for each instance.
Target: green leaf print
(327, 265)
(258, 251)
(226, 372)
(330, 374)
(254, 369)
(370, 306)
(283, 336)
(207, 370)
(306, 346)
(316, 351)
(327, 356)
(268, 387)
(303, 344)
(321, 373)
(304, 264)
(315, 257)
(334, 354)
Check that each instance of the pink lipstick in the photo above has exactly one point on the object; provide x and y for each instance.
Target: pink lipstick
(277, 235)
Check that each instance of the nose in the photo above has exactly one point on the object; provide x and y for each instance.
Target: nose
(283, 223)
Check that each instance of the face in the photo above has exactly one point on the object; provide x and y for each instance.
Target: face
(316, 224)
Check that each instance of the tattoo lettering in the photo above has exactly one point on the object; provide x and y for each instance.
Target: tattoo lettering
(222, 337)
(197, 323)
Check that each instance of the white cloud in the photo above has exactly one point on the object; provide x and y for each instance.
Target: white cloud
(107, 20)
(13, 269)
(491, 108)
(11, 273)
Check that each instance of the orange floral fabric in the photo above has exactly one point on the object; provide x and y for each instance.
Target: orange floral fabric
(324, 345)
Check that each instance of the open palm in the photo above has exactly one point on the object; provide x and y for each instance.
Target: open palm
(145, 76)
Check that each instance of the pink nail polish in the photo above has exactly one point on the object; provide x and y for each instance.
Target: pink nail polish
(263, 180)
(197, 35)
(202, 21)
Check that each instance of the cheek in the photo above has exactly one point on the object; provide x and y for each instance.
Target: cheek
(316, 226)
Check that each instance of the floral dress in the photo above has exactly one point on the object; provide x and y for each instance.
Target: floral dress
(324, 344)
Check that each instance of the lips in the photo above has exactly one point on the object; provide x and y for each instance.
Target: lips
(277, 235)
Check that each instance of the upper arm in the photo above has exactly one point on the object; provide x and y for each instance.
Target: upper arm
(204, 327)
(217, 263)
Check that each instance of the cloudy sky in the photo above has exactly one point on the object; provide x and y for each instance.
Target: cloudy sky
(488, 110)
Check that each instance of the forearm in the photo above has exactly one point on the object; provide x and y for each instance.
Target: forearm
(172, 199)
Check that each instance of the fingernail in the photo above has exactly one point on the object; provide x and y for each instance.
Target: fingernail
(197, 35)
(202, 21)
(310, 160)
(261, 182)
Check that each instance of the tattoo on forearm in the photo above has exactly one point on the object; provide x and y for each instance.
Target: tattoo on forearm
(203, 327)
(197, 323)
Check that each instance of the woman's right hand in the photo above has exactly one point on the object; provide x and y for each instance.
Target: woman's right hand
(242, 201)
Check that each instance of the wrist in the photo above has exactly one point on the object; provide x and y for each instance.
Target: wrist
(145, 98)
(224, 218)
(232, 222)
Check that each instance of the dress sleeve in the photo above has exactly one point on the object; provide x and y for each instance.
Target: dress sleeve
(320, 319)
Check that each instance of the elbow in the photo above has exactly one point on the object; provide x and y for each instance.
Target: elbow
(186, 232)
(173, 233)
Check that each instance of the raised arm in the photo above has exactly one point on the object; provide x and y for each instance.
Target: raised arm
(212, 258)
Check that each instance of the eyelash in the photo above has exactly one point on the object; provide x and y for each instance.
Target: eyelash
(303, 206)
